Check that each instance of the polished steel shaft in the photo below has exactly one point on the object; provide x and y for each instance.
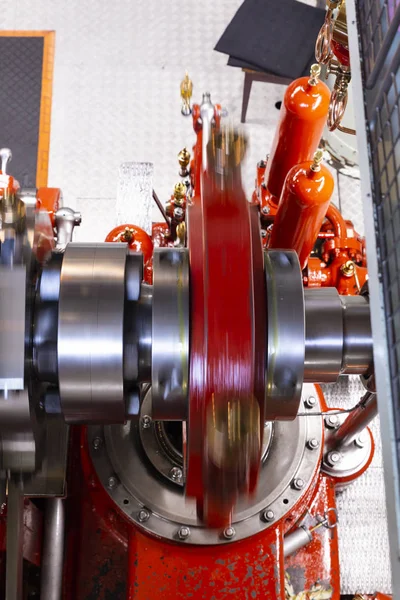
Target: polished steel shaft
(356, 422)
(338, 337)
(53, 550)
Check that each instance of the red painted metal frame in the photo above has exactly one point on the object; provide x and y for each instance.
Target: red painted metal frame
(106, 554)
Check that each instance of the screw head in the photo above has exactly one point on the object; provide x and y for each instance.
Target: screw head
(298, 483)
(333, 458)
(143, 516)
(176, 474)
(310, 402)
(229, 533)
(146, 421)
(183, 533)
(313, 444)
(265, 210)
(97, 443)
(268, 515)
(263, 233)
(332, 421)
(112, 482)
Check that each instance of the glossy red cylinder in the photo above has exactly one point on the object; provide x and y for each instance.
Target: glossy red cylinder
(303, 116)
(302, 208)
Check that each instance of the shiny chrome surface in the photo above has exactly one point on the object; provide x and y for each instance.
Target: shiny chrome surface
(285, 334)
(12, 334)
(53, 550)
(66, 220)
(18, 433)
(345, 460)
(355, 422)
(207, 118)
(324, 335)
(170, 333)
(338, 335)
(357, 335)
(90, 333)
(138, 487)
(15, 539)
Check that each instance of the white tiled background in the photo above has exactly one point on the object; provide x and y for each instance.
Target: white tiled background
(118, 67)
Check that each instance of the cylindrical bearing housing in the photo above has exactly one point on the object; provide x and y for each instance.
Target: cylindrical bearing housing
(90, 333)
(338, 336)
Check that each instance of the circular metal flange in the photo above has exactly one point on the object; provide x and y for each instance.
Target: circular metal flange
(90, 333)
(285, 334)
(139, 488)
(170, 333)
(162, 452)
(346, 461)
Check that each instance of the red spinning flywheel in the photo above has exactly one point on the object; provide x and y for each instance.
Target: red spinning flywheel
(227, 336)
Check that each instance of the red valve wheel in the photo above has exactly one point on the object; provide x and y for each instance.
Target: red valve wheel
(227, 359)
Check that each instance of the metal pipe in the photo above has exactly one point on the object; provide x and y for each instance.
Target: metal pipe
(161, 208)
(356, 422)
(15, 539)
(53, 550)
(338, 337)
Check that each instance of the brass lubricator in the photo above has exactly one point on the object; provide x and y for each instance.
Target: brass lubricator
(179, 194)
(184, 160)
(186, 94)
(348, 269)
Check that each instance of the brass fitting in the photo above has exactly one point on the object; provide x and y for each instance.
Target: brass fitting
(317, 159)
(128, 235)
(315, 72)
(181, 233)
(186, 94)
(348, 269)
(179, 193)
(184, 160)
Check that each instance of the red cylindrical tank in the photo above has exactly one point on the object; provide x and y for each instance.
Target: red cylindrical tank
(302, 208)
(137, 238)
(303, 116)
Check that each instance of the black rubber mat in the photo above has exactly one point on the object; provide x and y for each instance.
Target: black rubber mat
(20, 93)
(277, 36)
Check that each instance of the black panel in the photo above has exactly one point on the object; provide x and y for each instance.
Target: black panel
(277, 36)
(20, 92)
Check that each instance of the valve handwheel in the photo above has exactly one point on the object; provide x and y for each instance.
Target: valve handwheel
(227, 333)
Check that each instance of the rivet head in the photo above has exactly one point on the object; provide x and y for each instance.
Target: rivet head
(143, 516)
(268, 515)
(310, 402)
(176, 474)
(112, 482)
(313, 444)
(298, 483)
(183, 533)
(229, 533)
(265, 210)
(146, 421)
(97, 443)
(263, 233)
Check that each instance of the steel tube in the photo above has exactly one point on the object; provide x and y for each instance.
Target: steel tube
(53, 550)
(338, 337)
(15, 540)
(356, 422)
